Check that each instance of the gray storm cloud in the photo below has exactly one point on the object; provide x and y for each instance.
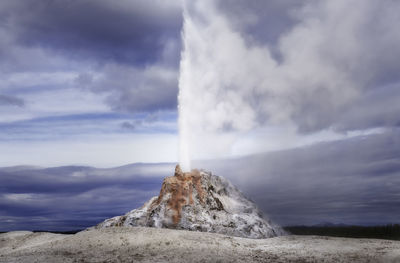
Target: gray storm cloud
(126, 51)
(9, 100)
(320, 71)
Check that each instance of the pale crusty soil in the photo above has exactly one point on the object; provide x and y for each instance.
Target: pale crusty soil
(164, 245)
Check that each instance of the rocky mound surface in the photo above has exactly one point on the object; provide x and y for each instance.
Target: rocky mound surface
(199, 201)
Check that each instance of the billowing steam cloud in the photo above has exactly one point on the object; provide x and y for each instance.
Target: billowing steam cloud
(320, 71)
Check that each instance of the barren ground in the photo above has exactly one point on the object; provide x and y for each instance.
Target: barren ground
(165, 245)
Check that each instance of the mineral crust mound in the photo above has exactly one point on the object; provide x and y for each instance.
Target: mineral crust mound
(199, 201)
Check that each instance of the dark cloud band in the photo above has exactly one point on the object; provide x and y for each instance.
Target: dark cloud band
(354, 181)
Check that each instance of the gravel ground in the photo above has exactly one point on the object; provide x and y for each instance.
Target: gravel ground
(164, 245)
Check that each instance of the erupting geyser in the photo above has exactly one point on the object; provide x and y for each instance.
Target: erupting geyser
(184, 153)
(215, 109)
(199, 201)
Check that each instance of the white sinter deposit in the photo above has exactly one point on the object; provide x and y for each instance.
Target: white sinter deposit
(199, 201)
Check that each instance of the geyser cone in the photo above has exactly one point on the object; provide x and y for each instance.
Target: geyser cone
(198, 200)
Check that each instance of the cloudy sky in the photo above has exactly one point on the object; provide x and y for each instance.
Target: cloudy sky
(303, 95)
(88, 82)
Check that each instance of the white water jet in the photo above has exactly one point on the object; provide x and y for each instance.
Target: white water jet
(184, 153)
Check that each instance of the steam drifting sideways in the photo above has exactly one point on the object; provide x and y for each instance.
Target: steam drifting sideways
(319, 75)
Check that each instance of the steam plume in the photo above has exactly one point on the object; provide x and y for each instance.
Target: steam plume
(231, 86)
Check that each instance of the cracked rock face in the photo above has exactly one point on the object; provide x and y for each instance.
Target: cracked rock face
(199, 201)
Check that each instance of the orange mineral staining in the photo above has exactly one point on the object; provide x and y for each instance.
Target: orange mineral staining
(180, 187)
